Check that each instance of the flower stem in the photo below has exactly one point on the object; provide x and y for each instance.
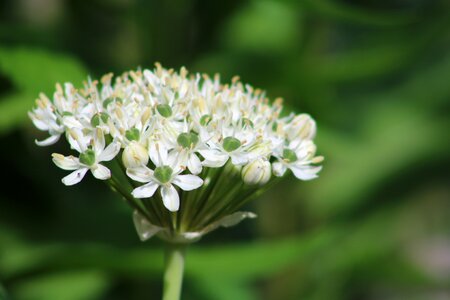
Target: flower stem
(173, 273)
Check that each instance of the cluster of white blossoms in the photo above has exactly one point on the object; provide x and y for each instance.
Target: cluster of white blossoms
(165, 128)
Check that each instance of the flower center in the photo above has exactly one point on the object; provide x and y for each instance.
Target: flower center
(110, 100)
(88, 157)
(187, 140)
(164, 110)
(132, 134)
(247, 123)
(205, 119)
(163, 174)
(95, 121)
(289, 155)
(231, 143)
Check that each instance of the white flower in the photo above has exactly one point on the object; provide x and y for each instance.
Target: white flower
(89, 159)
(165, 175)
(174, 128)
(45, 119)
(298, 158)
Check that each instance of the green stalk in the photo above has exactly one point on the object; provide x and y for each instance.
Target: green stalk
(173, 273)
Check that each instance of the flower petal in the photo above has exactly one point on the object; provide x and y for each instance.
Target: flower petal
(213, 158)
(145, 191)
(140, 174)
(75, 176)
(194, 164)
(101, 172)
(99, 141)
(77, 140)
(71, 122)
(170, 197)
(158, 153)
(188, 182)
(48, 141)
(110, 152)
(278, 169)
(305, 172)
(239, 159)
(66, 162)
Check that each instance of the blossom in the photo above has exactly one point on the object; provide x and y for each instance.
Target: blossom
(89, 158)
(165, 175)
(208, 146)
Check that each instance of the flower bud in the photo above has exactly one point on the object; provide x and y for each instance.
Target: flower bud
(303, 127)
(257, 172)
(134, 155)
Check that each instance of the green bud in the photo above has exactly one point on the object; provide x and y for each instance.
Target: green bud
(246, 122)
(87, 158)
(95, 121)
(163, 174)
(230, 144)
(107, 102)
(164, 110)
(289, 155)
(187, 140)
(67, 114)
(205, 119)
(274, 126)
(132, 134)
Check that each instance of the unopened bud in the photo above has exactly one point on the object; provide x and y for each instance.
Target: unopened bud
(134, 155)
(303, 127)
(257, 172)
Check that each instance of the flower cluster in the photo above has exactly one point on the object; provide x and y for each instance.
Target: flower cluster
(171, 131)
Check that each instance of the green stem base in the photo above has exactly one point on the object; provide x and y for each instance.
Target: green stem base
(173, 273)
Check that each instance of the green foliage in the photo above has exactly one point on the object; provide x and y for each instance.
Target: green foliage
(83, 285)
(30, 73)
(373, 74)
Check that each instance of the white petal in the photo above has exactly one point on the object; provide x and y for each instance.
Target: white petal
(278, 169)
(41, 125)
(170, 198)
(188, 182)
(71, 122)
(110, 152)
(213, 158)
(140, 174)
(99, 141)
(145, 191)
(77, 140)
(75, 176)
(101, 172)
(158, 153)
(194, 164)
(66, 162)
(239, 159)
(305, 172)
(48, 141)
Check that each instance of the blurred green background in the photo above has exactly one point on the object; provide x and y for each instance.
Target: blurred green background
(374, 74)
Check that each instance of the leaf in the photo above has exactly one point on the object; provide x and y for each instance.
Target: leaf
(214, 287)
(32, 71)
(248, 261)
(73, 285)
(392, 136)
(238, 261)
(257, 28)
(336, 10)
(3, 295)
